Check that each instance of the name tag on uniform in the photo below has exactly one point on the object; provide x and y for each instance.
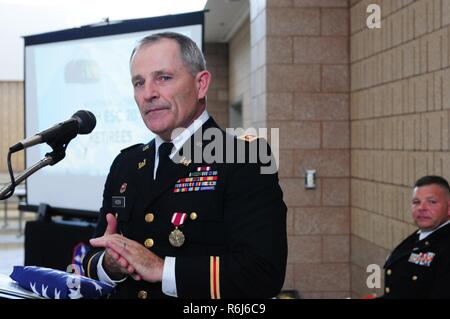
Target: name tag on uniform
(422, 259)
(118, 201)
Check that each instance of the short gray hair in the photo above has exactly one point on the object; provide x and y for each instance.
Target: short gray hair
(191, 55)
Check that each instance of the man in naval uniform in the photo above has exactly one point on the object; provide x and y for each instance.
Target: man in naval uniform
(172, 225)
(420, 266)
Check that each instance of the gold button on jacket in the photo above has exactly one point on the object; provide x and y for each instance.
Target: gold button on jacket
(149, 243)
(149, 217)
(142, 294)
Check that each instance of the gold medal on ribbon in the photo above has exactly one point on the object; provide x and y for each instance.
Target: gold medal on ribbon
(176, 236)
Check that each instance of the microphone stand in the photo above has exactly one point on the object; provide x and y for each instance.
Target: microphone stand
(59, 152)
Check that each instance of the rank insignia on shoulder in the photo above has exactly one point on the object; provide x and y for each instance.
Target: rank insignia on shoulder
(248, 137)
(185, 161)
(142, 164)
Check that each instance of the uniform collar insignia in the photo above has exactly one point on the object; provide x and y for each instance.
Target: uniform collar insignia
(142, 164)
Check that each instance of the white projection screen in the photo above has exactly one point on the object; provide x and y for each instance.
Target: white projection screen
(87, 68)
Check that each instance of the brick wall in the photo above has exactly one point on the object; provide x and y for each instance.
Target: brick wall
(300, 84)
(239, 68)
(399, 121)
(11, 123)
(216, 55)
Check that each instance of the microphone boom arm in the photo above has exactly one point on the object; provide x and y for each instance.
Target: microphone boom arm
(50, 159)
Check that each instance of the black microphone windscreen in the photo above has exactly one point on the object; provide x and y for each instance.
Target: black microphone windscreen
(86, 121)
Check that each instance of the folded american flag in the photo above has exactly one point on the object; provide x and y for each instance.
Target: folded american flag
(57, 284)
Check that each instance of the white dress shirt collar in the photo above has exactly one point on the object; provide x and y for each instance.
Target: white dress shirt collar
(425, 234)
(180, 139)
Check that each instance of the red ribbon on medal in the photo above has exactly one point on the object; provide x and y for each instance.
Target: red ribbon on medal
(176, 237)
(178, 219)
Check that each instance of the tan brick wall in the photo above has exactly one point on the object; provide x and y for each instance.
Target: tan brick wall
(11, 123)
(216, 55)
(239, 70)
(399, 121)
(300, 84)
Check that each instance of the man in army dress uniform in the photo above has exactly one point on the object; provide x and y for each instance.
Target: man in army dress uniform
(175, 226)
(420, 266)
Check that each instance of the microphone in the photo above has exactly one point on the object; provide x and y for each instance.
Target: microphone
(82, 122)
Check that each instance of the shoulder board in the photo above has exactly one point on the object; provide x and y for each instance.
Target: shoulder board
(248, 137)
(131, 147)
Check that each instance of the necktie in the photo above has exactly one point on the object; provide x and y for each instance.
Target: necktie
(163, 152)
